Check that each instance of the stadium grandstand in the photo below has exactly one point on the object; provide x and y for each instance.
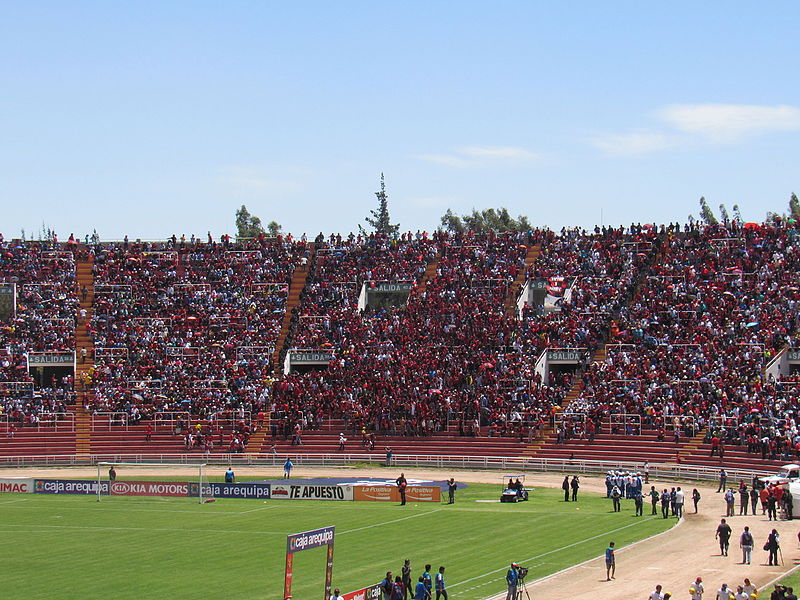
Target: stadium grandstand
(668, 344)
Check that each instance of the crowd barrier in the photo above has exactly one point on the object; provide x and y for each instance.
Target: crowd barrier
(521, 464)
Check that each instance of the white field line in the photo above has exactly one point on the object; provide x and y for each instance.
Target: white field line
(430, 512)
(554, 550)
(244, 512)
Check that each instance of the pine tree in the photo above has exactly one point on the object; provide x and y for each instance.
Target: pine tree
(380, 220)
(706, 213)
(794, 207)
(247, 225)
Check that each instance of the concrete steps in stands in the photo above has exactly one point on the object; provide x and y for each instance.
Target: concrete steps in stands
(30, 441)
(296, 286)
(531, 254)
(83, 341)
(83, 431)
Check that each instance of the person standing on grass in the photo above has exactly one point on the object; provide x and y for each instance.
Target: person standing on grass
(387, 585)
(439, 585)
(611, 562)
(665, 504)
(406, 578)
(426, 578)
(575, 485)
(229, 476)
(287, 468)
(724, 536)
(421, 592)
(654, 498)
(451, 490)
(616, 494)
(402, 483)
(565, 487)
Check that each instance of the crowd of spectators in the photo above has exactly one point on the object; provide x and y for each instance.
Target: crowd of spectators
(690, 317)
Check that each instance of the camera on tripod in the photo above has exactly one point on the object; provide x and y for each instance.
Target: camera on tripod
(521, 572)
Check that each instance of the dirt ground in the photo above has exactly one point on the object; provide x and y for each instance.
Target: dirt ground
(672, 559)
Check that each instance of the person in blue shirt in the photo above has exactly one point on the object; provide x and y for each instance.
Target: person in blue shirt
(426, 578)
(512, 577)
(439, 585)
(421, 592)
(229, 477)
(611, 563)
(287, 468)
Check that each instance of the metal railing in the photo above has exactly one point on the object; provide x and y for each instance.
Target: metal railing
(501, 463)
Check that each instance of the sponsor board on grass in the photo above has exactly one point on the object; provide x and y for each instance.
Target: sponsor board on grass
(390, 493)
(309, 539)
(68, 486)
(231, 490)
(150, 488)
(286, 491)
(372, 592)
(16, 485)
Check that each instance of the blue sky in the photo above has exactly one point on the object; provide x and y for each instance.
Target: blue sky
(149, 119)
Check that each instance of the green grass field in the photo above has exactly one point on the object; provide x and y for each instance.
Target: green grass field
(74, 547)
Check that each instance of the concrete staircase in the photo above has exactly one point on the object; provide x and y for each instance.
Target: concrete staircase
(574, 392)
(83, 340)
(430, 273)
(513, 291)
(296, 286)
(83, 431)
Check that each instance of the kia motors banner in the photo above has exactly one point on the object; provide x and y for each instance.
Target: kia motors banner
(285, 491)
(231, 490)
(16, 485)
(372, 592)
(68, 486)
(150, 488)
(390, 493)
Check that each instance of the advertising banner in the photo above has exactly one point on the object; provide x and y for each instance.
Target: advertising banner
(285, 491)
(150, 488)
(69, 486)
(372, 592)
(16, 485)
(231, 490)
(295, 542)
(309, 539)
(389, 493)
